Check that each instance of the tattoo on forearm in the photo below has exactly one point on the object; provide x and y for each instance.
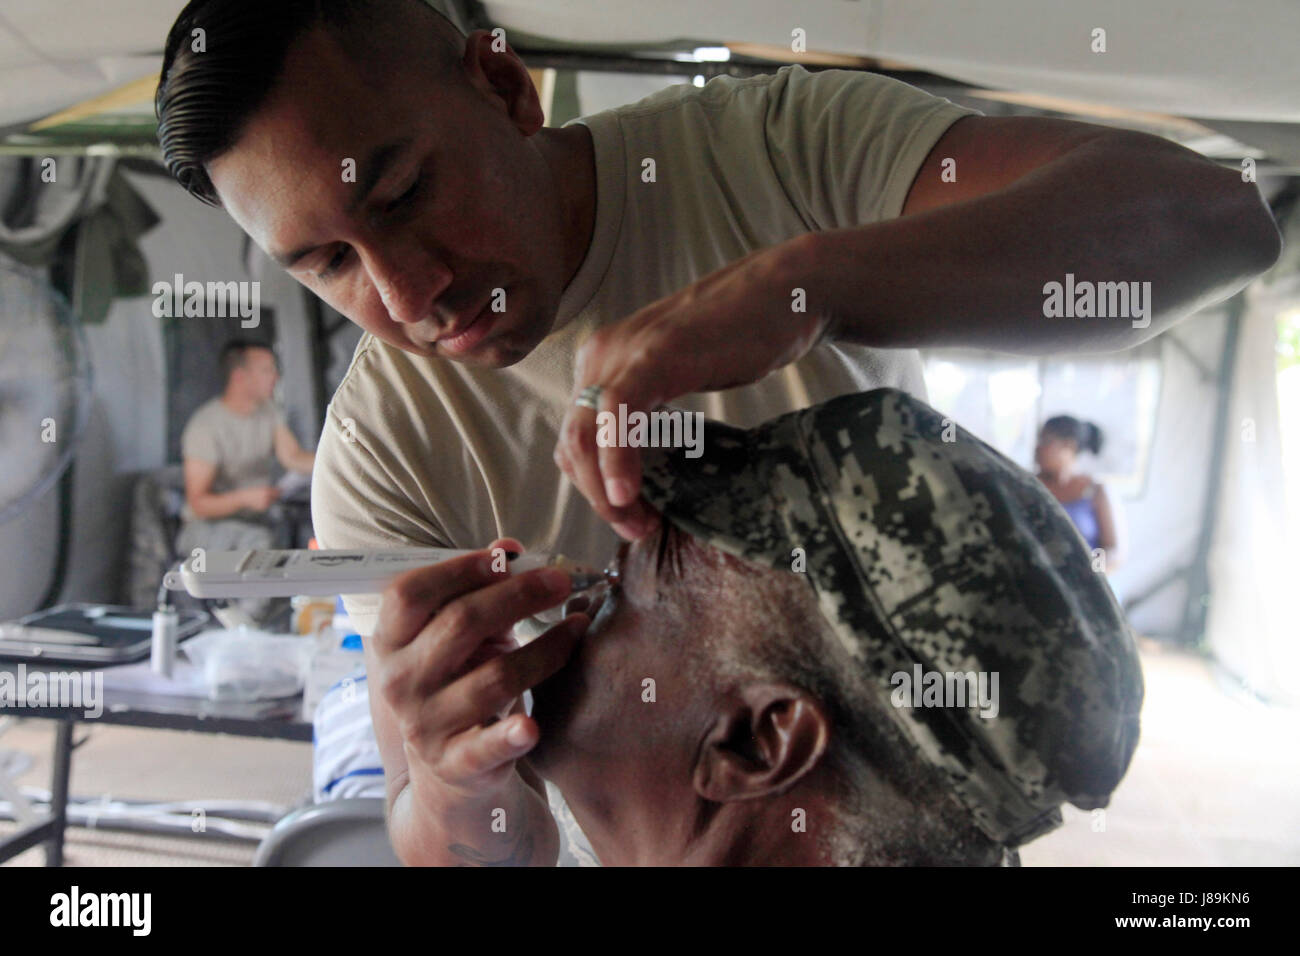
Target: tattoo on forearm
(521, 855)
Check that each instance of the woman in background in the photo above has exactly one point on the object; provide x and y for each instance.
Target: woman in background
(1085, 501)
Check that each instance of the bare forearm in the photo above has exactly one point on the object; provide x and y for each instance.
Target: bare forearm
(974, 273)
(218, 506)
(513, 829)
(301, 462)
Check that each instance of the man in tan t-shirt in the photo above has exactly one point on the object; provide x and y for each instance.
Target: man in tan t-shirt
(743, 249)
(230, 448)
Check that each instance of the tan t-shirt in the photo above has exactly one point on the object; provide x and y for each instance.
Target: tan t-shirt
(427, 452)
(241, 446)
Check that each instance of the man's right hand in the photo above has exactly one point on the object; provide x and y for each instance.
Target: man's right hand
(446, 669)
(260, 498)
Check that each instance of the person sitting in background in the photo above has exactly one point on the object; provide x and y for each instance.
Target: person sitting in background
(1084, 500)
(230, 448)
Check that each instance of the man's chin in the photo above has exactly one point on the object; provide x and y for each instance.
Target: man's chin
(501, 349)
(489, 355)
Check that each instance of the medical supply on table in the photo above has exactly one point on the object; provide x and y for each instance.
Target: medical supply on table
(162, 647)
(311, 613)
(325, 573)
(162, 641)
(336, 660)
(247, 664)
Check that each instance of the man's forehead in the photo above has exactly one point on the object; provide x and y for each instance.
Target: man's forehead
(279, 177)
(290, 166)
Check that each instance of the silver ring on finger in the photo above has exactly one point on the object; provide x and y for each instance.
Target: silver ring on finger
(589, 397)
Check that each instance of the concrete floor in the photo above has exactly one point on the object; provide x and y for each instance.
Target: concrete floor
(136, 763)
(1215, 781)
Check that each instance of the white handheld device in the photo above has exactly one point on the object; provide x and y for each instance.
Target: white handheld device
(325, 573)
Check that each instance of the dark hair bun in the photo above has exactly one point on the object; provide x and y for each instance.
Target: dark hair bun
(1093, 439)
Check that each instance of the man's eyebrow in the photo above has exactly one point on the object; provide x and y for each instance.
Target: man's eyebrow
(372, 171)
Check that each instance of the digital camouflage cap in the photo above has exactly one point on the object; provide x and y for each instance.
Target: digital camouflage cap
(926, 546)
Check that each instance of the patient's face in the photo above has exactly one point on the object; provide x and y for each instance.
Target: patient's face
(628, 710)
(652, 728)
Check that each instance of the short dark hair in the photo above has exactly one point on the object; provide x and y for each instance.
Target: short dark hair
(235, 353)
(206, 97)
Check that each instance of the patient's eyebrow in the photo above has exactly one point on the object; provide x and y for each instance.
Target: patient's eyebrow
(667, 540)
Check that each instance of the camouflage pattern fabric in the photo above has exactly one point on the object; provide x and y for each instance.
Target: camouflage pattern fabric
(155, 509)
(939, 553)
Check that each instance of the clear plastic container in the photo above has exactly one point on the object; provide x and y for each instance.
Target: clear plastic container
(246, 664)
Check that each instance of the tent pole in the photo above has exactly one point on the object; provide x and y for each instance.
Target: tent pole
(320, 354)
(1191, 632)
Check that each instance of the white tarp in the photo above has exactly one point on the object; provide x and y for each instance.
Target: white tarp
(1254, 563)
(1187, 57)
(55, 54)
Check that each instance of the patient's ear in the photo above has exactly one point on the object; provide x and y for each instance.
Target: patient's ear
(765, 740)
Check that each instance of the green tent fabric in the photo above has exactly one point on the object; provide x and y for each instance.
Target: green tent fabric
(39, 223)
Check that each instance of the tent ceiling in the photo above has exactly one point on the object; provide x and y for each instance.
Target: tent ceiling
(1191, 58)
(1187, 57)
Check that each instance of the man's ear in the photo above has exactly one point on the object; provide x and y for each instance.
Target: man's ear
(769, 736)
(504, 75)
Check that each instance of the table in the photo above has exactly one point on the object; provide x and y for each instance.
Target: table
(279, 719)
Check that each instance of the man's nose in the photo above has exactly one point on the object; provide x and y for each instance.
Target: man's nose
(408, 285)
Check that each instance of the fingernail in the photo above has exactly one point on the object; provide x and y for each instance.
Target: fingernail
(518, 735)
(620, 492)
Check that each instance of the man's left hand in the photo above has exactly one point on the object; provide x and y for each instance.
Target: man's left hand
(730, 328)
